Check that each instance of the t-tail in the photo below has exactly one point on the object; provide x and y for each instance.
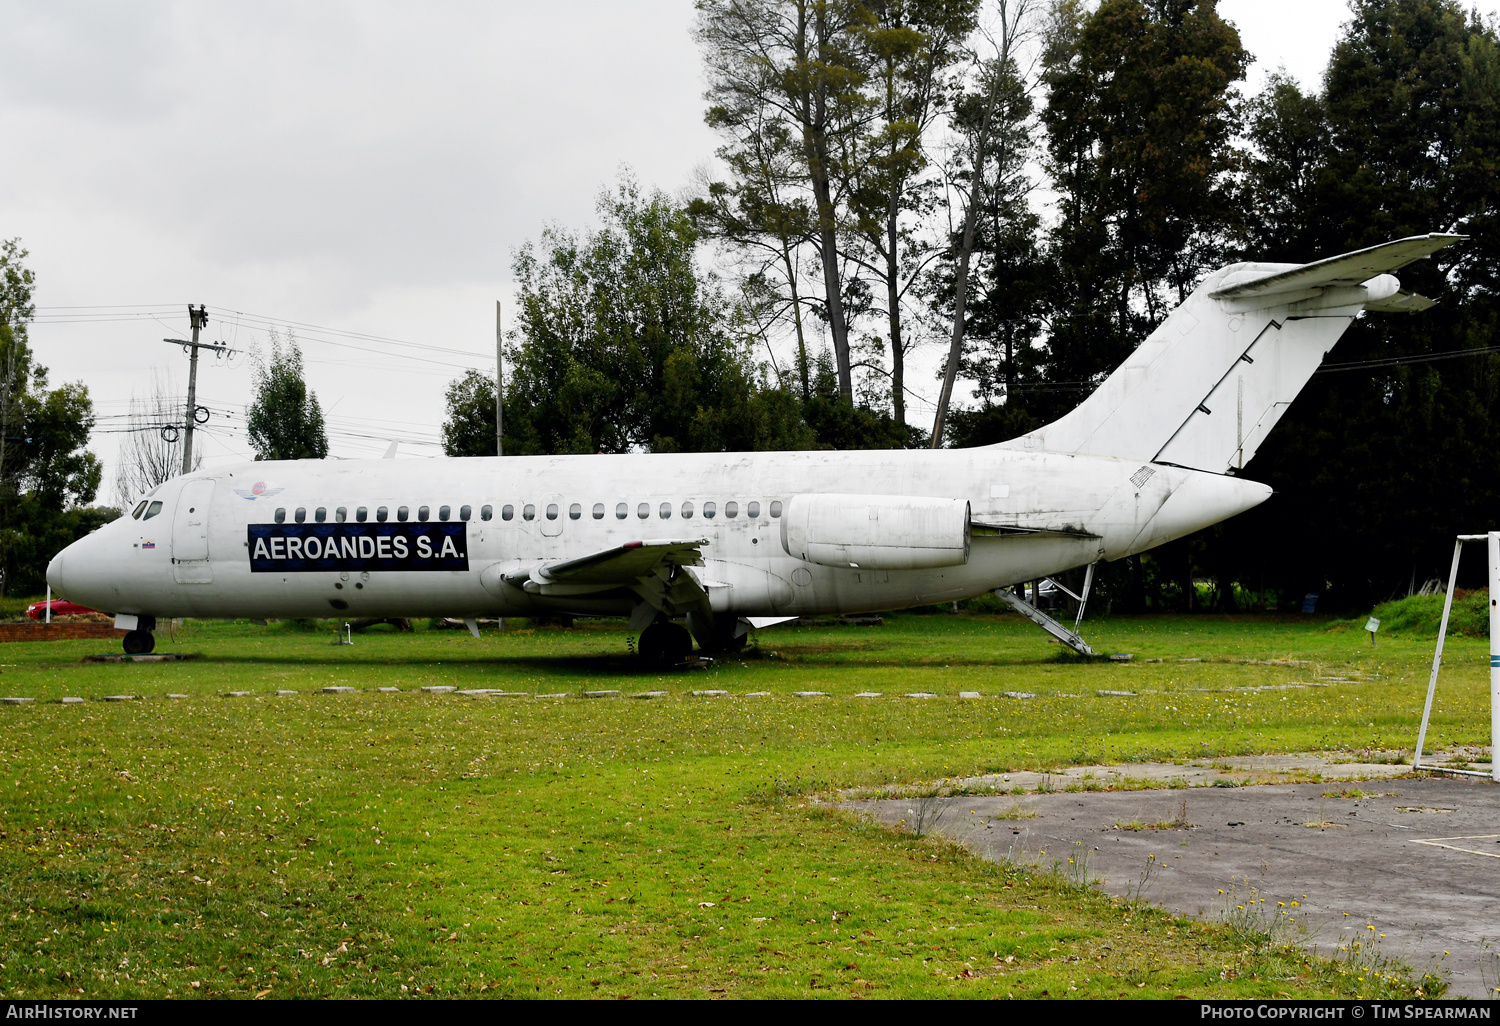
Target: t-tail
(1204, 390)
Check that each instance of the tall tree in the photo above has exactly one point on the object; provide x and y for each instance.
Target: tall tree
(1379, 465)
(794, 70)
(284, 420)
(47, 475)
(625, 343)
(914, 47)
(993, 124)
(1140, 117)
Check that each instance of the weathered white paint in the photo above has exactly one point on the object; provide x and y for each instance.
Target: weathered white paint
(1146, 459)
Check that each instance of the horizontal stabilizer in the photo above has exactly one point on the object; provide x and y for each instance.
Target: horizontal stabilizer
(1404, 301)
(1347, 269)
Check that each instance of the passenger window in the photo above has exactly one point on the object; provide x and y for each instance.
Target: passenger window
(301, 516)
(422, 513)
(708, 511)
(280, 514)
(320, 514)
(622, 511)
(362, 514)
(775, 507)
(665, 511)
(752, 510)
(341, 514)
(402, 512)
(687, 511)
(381, 512)
(731, 510)
(508, 512)
(551, 511)
(445, 511)
(598, 511)
(643, 510)
(575, 511)
(464, 512)
(139, 510)
(528, 512)
(487, 512)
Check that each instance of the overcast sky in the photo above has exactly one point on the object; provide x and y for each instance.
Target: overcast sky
(363, 167)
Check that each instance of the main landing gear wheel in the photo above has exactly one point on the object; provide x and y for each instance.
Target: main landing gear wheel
(664, 645)
(139, 642)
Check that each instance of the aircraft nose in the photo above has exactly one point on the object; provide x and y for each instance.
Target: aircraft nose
(55, 579)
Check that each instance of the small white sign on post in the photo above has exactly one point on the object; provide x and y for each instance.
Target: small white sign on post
(1372, 626)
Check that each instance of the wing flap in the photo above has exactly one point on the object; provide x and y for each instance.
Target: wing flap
(1345, 269)
(622, 565)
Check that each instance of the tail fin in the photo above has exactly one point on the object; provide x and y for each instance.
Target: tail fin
(1207, 386)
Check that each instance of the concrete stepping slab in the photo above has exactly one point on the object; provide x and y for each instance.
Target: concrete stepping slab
(15, 701)
(119, 698)
(1023, 695)
(510, 694)
(809, 694)
(970, 694)
(182, 696)
(237, 694)
(339, 691)
(709, 694)
(283, 692)
(556, 694)
(650, 694)
(1117, 694)
(72, 701)
(438, 689)
(869, 694)
(389, 691)
(600, 694)
(921, 694)
(757, 694)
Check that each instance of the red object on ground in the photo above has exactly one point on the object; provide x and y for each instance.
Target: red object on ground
(60, 607)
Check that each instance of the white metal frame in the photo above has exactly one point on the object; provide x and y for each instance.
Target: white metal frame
(1492, 546)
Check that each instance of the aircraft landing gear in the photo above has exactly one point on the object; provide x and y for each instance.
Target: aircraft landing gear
(139, 642)
(664, 645)
(723, 635)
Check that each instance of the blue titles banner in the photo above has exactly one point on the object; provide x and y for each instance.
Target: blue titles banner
(305, 548)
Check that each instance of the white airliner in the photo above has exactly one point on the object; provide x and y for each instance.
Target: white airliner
(730, 541)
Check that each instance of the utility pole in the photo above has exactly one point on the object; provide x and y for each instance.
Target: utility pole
(499, 387)
(199, 320)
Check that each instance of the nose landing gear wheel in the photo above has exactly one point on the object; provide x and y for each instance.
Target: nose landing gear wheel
(139, 642)
(663, 646)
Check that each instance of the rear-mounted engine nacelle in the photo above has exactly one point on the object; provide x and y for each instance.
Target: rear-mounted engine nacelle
(877, 532)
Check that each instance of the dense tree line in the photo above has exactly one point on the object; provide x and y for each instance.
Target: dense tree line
(875, 194)
(47, 477)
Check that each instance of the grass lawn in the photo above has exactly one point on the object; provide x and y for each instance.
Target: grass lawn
(407, 844)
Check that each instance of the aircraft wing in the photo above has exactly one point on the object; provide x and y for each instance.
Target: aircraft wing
(622, 565)
(1347, 269)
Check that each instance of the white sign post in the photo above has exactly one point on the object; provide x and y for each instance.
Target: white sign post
(1492, 550)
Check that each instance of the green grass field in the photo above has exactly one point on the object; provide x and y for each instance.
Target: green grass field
(411, 844)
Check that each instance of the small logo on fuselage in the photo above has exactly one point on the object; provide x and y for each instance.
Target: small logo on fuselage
(257, 491)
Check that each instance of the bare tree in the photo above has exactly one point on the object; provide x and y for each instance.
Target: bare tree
(993, 120)
(152, 449)
(797, 65)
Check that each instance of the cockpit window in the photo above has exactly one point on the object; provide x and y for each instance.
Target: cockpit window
(152, 510)
(139, 510)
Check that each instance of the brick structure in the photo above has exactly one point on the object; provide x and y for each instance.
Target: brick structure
(57, 631)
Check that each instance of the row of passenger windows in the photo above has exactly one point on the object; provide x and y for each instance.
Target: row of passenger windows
(664, 511)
